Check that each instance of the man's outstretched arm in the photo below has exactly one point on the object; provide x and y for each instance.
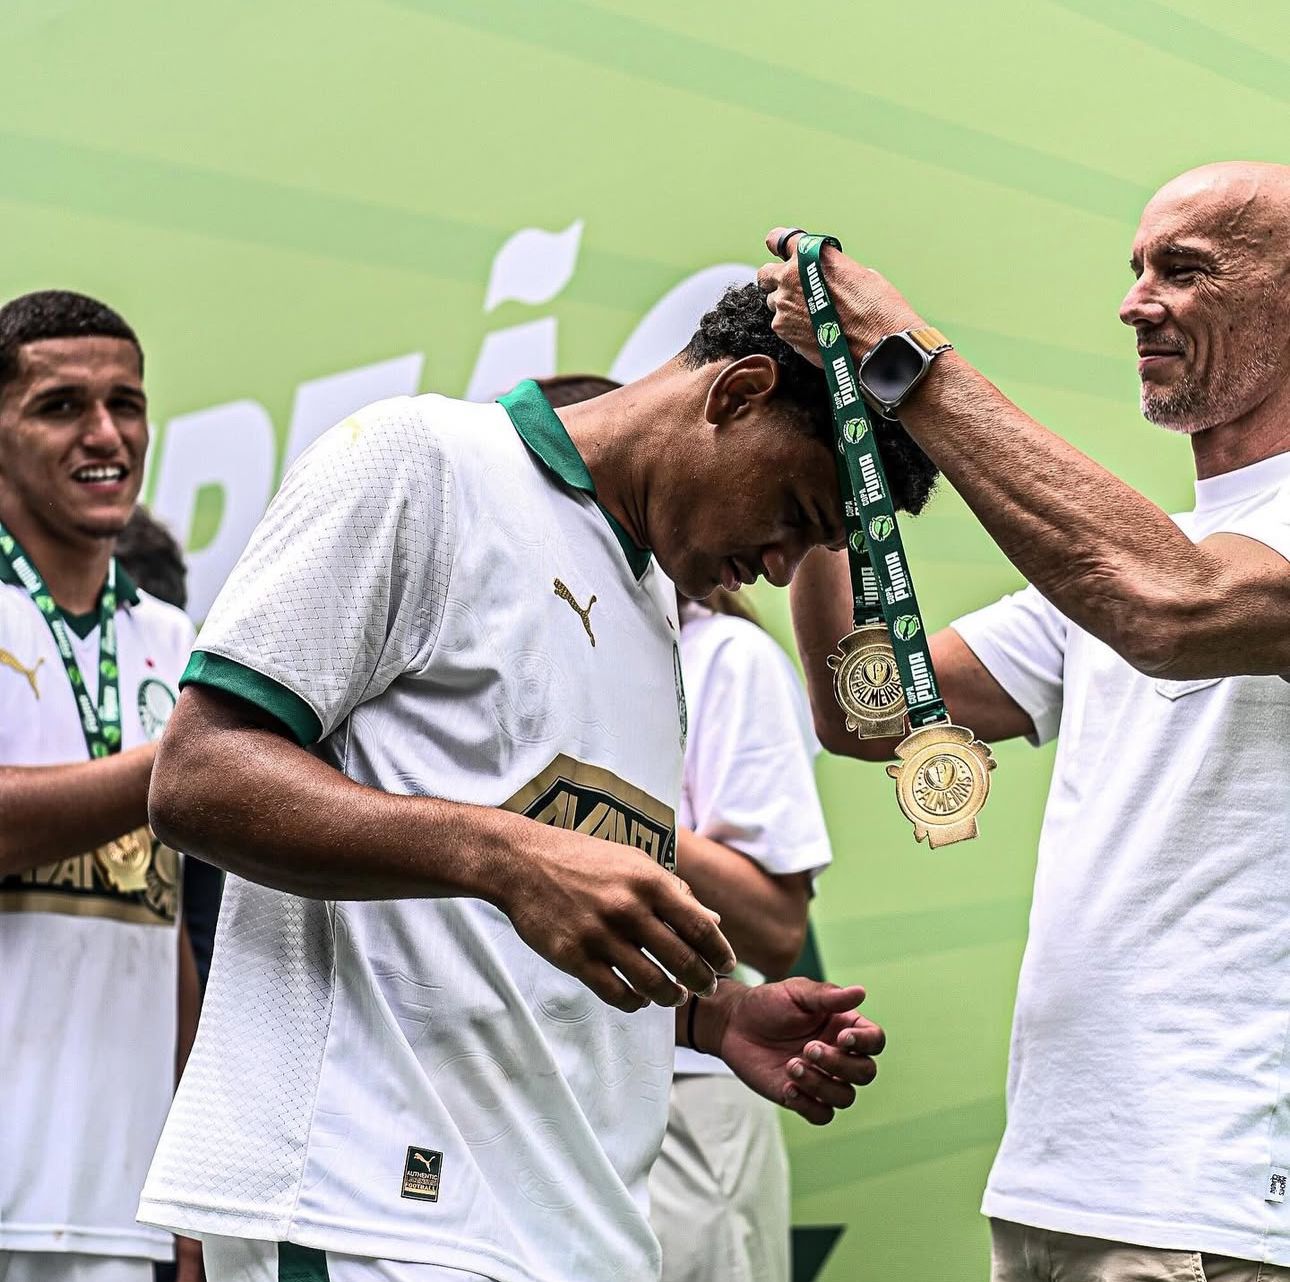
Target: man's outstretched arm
(230, 787)
(1108, 558)
(49, 813)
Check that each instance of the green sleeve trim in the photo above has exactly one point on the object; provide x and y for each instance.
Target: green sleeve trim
(264, 692)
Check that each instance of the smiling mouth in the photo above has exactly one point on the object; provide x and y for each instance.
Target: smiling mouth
(101, 474)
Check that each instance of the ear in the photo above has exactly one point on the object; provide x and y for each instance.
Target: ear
(741, 388)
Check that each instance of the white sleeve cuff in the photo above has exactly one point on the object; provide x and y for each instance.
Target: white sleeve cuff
(1018, 679)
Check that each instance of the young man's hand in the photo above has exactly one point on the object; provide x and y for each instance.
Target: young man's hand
(593, 907)
(800, 1043)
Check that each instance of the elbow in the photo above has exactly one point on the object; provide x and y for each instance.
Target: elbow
(172, 814)
(838, 741)
(783, 947)
(1159, 638)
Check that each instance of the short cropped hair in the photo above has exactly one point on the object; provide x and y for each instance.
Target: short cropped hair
(740, 325)
(56, 313)
(150, 555)
(568, 389)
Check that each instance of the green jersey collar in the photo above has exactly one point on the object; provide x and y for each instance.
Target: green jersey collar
(541, 430)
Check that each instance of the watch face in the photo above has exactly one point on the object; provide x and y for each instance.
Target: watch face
(892, 368)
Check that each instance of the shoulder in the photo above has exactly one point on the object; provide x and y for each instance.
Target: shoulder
(161, 620)
(731, 642)
(18, 613)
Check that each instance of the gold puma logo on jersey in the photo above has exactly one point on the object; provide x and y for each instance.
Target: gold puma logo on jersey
(419, 1157)
(7, 660)
(585, 615)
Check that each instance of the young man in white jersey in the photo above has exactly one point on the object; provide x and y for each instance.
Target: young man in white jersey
(750, 843)
(1148, 1128)
(90, 952)
(437, 1040)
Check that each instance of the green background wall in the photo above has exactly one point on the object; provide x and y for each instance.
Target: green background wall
(274, 192)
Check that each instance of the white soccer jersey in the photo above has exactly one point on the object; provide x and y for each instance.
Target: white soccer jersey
(436, 599)
(749, 778)
(88, 953)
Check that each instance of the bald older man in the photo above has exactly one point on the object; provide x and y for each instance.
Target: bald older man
(1148, 1130)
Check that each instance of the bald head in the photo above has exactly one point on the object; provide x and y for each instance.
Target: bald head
(1211, 306)
(1244, 203)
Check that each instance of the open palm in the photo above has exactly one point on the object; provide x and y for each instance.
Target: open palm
(802, 1044)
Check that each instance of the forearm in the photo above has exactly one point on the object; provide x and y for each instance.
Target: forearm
(189, 1002)
(253, 803)
(820, 596)
(763, 917)
(49, 813)
(1108, 558)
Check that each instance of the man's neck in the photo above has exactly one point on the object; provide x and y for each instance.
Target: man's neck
(74, 570)
(1260, 434)
(602, 433)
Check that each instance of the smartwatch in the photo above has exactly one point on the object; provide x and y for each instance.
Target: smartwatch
(895, 365)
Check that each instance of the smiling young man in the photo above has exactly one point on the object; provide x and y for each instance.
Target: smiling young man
(89, 947)
(1148, 1131)
(434, 728)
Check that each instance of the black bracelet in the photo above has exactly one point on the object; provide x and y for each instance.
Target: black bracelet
(689, 1022)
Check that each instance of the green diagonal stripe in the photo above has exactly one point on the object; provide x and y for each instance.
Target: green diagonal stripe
(853, 1155)
(1168, 31)
(638, 48)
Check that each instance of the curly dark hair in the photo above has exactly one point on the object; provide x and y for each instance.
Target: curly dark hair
(56, 313)
(739, 325)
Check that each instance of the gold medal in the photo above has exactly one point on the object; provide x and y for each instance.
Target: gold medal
(866, 683)
(123, 862)
(942, 781)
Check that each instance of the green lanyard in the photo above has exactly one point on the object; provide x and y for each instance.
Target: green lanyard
(882, 584)
(101, 725)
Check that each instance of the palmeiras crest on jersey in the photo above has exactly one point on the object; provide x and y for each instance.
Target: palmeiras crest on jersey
(571, 794)
(156, 703)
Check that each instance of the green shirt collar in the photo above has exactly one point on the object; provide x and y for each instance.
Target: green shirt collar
(540, 429)
(127, 593)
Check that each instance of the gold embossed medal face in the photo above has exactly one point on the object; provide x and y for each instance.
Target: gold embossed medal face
(942, 782)
(866, 683)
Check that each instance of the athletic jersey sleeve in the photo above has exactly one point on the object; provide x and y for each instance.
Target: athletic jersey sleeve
(1022, 640)
(343, 584)
(749, 763)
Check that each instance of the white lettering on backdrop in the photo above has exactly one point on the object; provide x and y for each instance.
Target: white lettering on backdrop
(232, 448)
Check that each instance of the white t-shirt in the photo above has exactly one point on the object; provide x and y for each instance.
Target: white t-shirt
(88, 955)
(748, 779)
(1149, 1086)
(437, 599)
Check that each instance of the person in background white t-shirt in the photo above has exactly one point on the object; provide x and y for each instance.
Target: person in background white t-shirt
(1148, 1130)
(92, 958)
(750, 841)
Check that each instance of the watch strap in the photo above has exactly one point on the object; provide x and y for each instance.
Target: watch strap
(931, 340)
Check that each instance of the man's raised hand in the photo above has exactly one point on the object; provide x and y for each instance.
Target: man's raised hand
(868, 305)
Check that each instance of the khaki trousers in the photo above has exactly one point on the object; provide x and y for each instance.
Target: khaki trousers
(1020, 1253)
(719, 1190)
